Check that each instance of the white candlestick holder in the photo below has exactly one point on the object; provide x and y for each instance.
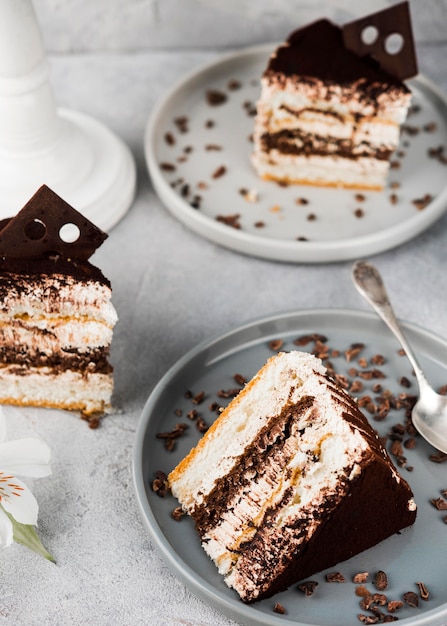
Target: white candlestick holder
(74, 154)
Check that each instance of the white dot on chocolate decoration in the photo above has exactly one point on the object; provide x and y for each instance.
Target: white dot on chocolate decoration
(369, 35)
(69, 233)
(394, 43)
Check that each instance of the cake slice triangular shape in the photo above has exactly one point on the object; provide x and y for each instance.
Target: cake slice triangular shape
(291, 479)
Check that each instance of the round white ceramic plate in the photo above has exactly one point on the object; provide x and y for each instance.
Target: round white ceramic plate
(415, 555)
(187, 140)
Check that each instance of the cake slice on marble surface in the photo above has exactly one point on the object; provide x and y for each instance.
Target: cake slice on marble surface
(291, 479)
(56, 314)
(332, 102)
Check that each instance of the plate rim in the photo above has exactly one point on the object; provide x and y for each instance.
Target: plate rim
(271, 248)
(202, 589)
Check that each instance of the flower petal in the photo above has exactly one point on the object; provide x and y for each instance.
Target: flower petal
(18, 500)
(6, 532)
(25, 457)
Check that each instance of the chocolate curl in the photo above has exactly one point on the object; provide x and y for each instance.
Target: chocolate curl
(392, 22)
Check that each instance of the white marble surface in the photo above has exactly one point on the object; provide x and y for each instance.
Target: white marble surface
(172, 289)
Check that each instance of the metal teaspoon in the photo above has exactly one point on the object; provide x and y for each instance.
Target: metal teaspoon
(429, 414)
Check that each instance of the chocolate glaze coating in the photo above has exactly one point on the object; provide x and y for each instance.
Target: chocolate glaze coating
(318, 51)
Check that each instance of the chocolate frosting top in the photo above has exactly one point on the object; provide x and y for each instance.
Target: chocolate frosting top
(33, 242)
(318, 51)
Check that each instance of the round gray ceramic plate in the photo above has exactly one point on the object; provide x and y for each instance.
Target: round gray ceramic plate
(182, 169)
(415, 555)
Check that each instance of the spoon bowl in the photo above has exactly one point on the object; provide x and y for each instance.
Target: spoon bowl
(429, 414)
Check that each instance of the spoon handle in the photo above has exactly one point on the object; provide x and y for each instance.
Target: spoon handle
(369, 283)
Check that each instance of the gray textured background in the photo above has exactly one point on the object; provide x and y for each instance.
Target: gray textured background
(172, 289)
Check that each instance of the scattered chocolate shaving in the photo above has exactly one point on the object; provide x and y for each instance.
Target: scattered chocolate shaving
(198, 398)
(278, 608)
(170, 437)
(259, 224)
(422, 203)
(423, 591)
(393, 198)
(234, 84)
(201, 425)
(359, 213)
(276, 344)
(360, 577)
(230, 220)
(311, 217)
(438, 154)
(167, 167)
(302, 201)
(241, 380)
(215, 97)
(220, 171)
(394, 605)
(409, 130)
(182, 124)
(169, 139)
(411, 599)
(353, 351)
(210, 147)
(439, 503)
(438, 457)
(308, 587)
(380, 580)
(178, 513)
(210, 124)
(160, 484)
(335, 577)
(431, 127)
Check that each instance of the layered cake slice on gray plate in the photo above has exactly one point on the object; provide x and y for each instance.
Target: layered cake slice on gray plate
(290, 480)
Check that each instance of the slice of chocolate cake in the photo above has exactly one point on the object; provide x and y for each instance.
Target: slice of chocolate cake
(329, 114)
(290, 480)
(56, 314)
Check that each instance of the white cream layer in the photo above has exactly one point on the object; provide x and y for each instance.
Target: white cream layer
(86, 392)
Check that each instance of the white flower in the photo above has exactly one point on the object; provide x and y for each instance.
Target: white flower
(24, 457)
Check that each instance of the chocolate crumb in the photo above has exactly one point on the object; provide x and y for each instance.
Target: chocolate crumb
(422, 203)
(411, 599)
(170, 139)
(234, 84)
(393, 198)
(431, 127)
(198, 398)
(278, 608)
(210, 147)
(335, 577)
(302, 201)
(368, 619)
(160, 484)
(276, 344)
(308, 587)
(182, 123)
(360, 197)
(202, 426)
(423, 591)
(167, 167)
(220, 171)
(438, 457)
(230, 220)
(394, 605)
(178, 513)
(380, 580)
(215, 97)
(241, 380)
(439, 503)
(210, 124)
(359, 213)
(259, 224)
(361, 577)
(311, 217)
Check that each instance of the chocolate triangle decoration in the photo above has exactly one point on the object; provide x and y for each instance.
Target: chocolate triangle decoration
(387, 37)
(38, 230)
